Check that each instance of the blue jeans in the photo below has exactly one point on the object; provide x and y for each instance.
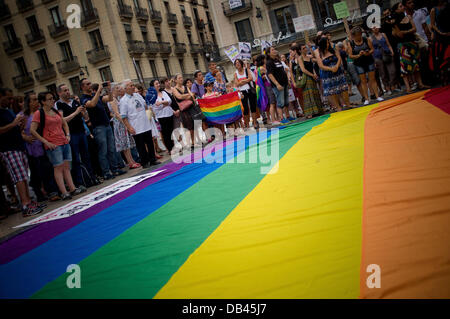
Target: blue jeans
(80, 153)
(104, 138)
(282, 96)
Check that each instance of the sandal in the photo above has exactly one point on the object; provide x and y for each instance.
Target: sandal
(134, 165)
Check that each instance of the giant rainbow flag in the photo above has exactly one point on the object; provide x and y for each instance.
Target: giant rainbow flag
(351, 189)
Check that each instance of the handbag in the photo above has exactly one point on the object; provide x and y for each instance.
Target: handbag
(185, 104)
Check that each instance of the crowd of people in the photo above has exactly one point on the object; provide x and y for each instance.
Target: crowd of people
(61, 145)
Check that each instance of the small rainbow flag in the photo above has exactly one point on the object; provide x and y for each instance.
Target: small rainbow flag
(224, 109)
(261, 95)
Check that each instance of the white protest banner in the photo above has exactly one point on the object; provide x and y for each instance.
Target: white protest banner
(304, 23)
(232, 53)
(265, 44)
(245, 50)
(83, 203)
(235, 4)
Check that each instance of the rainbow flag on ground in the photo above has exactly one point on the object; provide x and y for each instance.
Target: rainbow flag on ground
(224, 109)
(350, 190)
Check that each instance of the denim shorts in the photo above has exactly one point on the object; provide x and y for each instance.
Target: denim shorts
(60, 155)
(282, 97)
(365, 69)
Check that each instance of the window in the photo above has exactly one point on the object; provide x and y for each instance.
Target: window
(244, 31)
(150, 5)
(75, 84)
(189, 35)
(66, 50)
(56, 17)
(166, 66)
(136, 3)
(10, 33)
(52, 88)
(183, 10)
(284, 20)
(87, 5)
(153, 67)
(181, 61)
(196, 15)
(197, 66)
(138, 70)
(96, 39)
(166, 4)
(202, 37)
(21, 66)
(33, 25)
(174, 35)
(43, 58)
(105, 74)
(158, 34)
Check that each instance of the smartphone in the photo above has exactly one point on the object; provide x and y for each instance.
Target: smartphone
(105, 84)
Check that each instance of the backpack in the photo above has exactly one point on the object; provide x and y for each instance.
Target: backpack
(40, 129)
(86, 178)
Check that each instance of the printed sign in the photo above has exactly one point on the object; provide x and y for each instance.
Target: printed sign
(83, 203)
(235, 4)
(341, 10)
(232, 53)
(245, 50)
(304, 23)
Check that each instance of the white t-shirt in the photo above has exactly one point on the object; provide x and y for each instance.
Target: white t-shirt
(420, 17)
(132, 107)
(240, 77)
(163, 110)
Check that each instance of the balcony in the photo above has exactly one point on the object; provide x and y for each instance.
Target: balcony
(151, 47)
(68, 65)
(228, 12)
(196, 49)
(45, 73)
(98, 55)
(5, 13)
(125, 12)
(201, 25)
(165, 48)
(180, 48)
(48, 1)
(23, 81)
(24, 5)
(187, 21)
(89, 17)
(35, 38)
(172, 19)
(136, 47)
(270, 1)
(194, 2)
(57, 31)
(155, 16)
(12, 47)
(141, 14)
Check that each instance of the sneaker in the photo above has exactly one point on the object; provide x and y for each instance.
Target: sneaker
(119, 172)
(30, 210)
(66, 196)
(81, 189)
(108, 177)
(290, 118)
(380, 99)
(38, 205)
(53, 197)
(388, 93)
(284, 121)
(366, 102)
